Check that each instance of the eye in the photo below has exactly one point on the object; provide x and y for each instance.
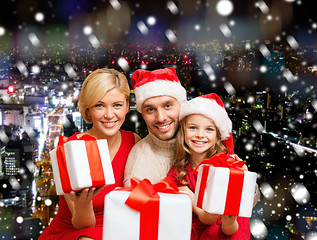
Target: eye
(210, 129)
(118, 105)
(192, 127)
(149, 110)
(98, 105)
(168, 105)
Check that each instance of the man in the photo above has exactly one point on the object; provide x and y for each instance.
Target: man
(159, 95)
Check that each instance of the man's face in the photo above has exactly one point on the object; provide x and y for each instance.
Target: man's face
(161, 116)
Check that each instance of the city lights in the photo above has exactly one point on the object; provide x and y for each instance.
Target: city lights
(258, 56)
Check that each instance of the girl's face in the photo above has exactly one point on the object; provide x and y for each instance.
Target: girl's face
(200, 133)
(108, 114)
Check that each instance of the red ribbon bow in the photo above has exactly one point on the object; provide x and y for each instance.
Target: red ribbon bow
(222, 160)
(145, 199)
(143, 191)
(94, 160)
(62, 139)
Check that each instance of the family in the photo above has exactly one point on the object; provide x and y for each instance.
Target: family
(181, 134)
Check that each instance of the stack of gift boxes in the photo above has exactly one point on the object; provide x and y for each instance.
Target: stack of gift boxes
(146, 210)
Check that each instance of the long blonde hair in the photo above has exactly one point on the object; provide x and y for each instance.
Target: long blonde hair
(97, 84)
(183, 152)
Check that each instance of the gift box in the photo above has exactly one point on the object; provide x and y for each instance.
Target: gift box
(136, 214)
(82, 163)
(223, 187)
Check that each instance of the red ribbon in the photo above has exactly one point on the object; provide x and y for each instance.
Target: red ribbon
(144, 198)
(222, 160)
(235, 184)
(94, 160)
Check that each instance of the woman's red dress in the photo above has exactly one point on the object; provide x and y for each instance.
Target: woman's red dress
(61, 226)
(204, 232)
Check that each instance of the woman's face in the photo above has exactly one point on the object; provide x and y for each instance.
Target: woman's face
(108, 114)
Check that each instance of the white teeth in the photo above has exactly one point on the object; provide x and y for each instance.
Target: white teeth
(108, 123)
(164, 127)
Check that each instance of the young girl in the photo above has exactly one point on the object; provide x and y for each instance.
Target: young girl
(104, 102)
(205, 131)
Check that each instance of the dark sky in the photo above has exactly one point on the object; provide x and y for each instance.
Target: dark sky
(196, 21)
(15, 13)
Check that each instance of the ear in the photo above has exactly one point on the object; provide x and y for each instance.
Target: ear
(87, 112)
(127, 110)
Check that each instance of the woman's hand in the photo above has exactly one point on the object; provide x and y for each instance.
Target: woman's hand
(81, 207)
(84, 196)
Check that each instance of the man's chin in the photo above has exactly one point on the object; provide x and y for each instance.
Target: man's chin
(164, 136)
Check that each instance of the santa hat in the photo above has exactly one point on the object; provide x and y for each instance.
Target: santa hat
(212, 107)
(147, 84)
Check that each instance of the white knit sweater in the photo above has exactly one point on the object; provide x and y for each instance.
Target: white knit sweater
(150, 158)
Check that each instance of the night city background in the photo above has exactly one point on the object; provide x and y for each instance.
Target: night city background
(259, 56)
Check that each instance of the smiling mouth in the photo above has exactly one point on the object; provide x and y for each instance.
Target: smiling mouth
(164, 127)
(109, 124)
(199, 142)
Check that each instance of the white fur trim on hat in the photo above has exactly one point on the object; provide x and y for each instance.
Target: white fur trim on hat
(159, 88)
(211, 109)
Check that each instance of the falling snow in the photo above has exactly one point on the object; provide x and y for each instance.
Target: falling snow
(253, 56)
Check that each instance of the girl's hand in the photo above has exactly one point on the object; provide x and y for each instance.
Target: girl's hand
(229, 224)
(210, 218)
(228, 219)
(236, 157)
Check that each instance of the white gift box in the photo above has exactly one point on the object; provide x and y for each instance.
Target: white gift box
(123, 222)
(78, 169)
(213, 198)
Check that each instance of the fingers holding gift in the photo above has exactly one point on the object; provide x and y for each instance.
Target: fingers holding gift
(97, 191)
(244, 167)
(87, 193)
(84, 195)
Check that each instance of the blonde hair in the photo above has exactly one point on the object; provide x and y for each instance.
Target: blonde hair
(97, 84)
(183, 152)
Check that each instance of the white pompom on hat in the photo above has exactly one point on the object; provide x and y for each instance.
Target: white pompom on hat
(212, 107)
(160, 82)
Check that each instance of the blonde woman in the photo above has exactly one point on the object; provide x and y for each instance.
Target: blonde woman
(104, 102)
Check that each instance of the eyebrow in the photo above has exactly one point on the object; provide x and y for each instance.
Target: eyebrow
(119, 101)
(193, 123)
(164, 103)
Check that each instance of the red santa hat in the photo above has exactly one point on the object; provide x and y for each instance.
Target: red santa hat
(160, 82)
(212, 107)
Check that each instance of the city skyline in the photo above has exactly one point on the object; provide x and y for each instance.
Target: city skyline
(260, 58)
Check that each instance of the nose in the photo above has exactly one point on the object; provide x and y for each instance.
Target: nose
(200, 133)
(109, 113)
(161, 115)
